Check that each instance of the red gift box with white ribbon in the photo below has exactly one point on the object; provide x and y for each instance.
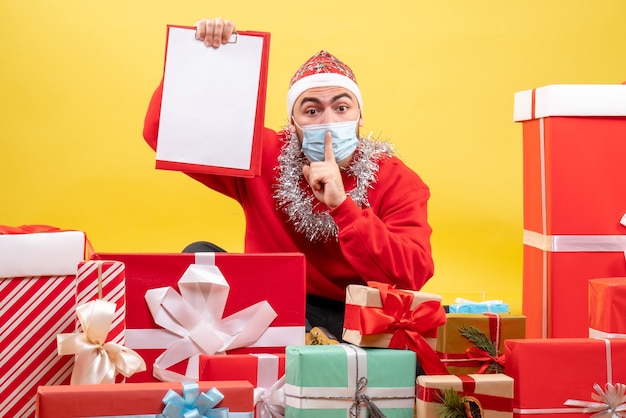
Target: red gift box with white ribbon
(265, 371)
(182, 305)
(550, 373)
(574, 177)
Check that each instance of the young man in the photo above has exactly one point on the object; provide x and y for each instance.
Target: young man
(352, 207)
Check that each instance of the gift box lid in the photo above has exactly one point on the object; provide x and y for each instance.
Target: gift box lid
(570, 100)
(41, 254)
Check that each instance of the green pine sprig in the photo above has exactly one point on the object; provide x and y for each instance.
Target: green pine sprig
(480, 340)
(453, 404)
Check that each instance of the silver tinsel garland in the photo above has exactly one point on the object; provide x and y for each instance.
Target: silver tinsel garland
(299, 203)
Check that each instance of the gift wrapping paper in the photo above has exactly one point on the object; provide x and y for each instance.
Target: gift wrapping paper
(607, 304)
(40, 250)
(132, 399)
(573, 206)
(487, 306)
(36, 306)
(262, 370)
(34, 311)
(494, 393)
(278, 279)
(335, 380)
(380, 316)
(106, 280)
(458, 353)
(549, 372)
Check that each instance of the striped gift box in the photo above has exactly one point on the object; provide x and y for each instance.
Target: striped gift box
(38, 293)
(34, 310)
(106, 280)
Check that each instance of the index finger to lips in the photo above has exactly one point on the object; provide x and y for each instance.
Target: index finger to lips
(329, 155)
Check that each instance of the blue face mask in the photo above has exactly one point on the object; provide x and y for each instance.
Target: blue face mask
(344, 137)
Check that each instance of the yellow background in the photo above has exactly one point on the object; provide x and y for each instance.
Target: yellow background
(438, 79)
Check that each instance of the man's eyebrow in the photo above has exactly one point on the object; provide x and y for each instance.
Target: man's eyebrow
(318, 101)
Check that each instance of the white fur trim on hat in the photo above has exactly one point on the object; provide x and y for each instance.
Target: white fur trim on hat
(321, 80)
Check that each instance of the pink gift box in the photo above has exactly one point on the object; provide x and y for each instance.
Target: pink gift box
(276, 278)
(574, 176)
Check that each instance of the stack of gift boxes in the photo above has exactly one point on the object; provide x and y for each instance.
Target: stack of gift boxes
(218, 334)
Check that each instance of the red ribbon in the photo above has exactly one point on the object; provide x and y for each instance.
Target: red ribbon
(481, 356)
(407, 326)
(27, 229)
(488, 402)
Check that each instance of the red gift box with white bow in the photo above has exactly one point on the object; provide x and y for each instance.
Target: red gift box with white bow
(182, 305)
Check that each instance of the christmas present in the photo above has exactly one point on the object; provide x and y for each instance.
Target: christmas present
(607, 304)
(96, 360)
(550, 372)
(342, 380)
(474, 343)
(40, 250)
(231, 298)
(229, 399)
(265, 371)
(483, 395)
(104, 280)
(486, 306)
(37, 304)
(378, 315)
(573, 177)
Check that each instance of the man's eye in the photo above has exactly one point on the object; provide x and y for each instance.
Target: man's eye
(342, 108)
(311, 111)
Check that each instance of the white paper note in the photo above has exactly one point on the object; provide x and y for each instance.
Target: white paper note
(209, 100)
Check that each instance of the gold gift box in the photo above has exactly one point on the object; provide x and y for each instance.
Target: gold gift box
(452, 347)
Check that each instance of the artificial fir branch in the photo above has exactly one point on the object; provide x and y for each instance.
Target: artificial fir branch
(453, 404)
(480, 340)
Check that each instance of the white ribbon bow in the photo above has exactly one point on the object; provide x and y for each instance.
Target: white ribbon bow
(609, 403)
(195, 315)
(96, 361)
(270, 403)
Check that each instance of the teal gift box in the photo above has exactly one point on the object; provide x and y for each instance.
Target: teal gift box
(343, 380)
(471, 307)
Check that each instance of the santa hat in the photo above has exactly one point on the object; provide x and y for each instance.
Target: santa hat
(322, 70)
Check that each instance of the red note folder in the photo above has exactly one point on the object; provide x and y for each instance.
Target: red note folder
(213, 105)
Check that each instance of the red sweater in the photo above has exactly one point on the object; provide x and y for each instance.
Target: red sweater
(387, 242)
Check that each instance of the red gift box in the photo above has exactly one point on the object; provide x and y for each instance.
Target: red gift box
(573, 177)
(549, 372)
(131, 399)
(35, 308)
(276, 278)
(607, 304)
(262, 370)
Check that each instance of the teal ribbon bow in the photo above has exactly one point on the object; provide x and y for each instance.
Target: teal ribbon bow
(193, 403)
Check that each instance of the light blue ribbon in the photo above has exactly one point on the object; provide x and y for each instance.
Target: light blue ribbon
(193, 403)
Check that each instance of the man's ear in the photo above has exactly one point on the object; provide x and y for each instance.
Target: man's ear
(361, 121)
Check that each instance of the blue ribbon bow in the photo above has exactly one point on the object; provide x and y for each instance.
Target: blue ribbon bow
(193, 403)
